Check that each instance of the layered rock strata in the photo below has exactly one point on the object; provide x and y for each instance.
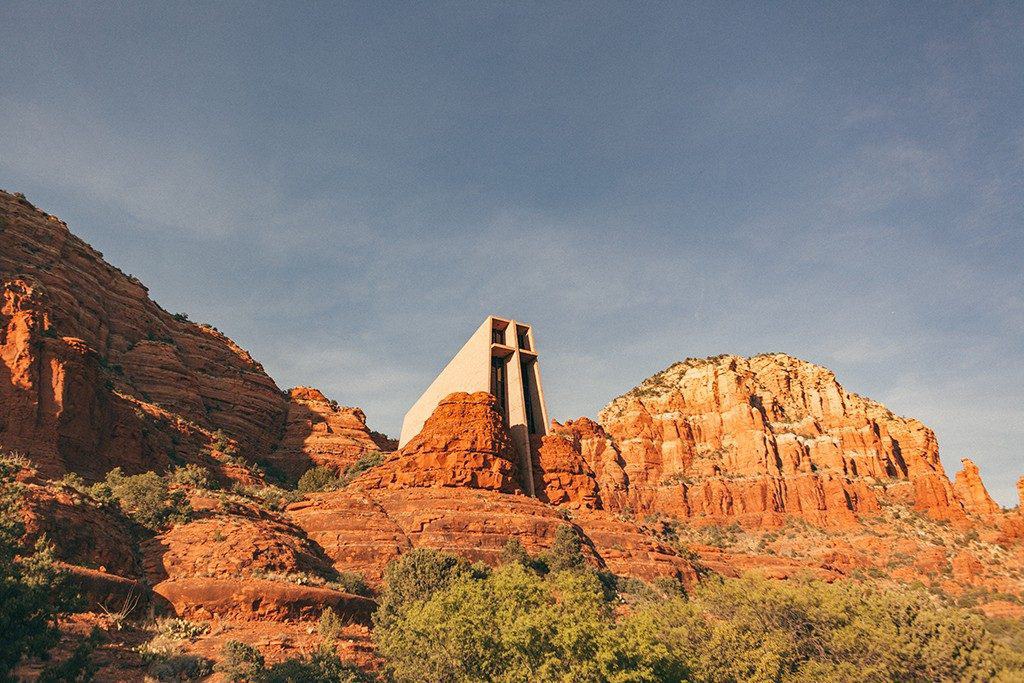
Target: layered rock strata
(455, 487)
(95, 375)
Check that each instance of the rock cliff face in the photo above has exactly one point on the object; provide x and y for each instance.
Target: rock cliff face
(971, 492)
(455, 487)
(462, 443)
(320, 432)
(95, 375)
(562, 476)
(758, 439)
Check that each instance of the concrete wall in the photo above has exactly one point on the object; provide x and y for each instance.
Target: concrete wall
(470, 371)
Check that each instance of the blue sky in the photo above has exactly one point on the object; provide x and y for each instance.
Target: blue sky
(347, 190)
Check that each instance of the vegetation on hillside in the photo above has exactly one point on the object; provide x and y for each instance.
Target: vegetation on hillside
(324, 478)
(33, 588)
(440, 621)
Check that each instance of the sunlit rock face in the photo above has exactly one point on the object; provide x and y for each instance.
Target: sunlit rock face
(757, 439)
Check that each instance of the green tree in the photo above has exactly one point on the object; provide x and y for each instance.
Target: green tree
(515, 625)
(144, 497)
(753, 629)
(566, 553)
(321, 666)
(514, 553)
(240, 662)
(33, 590)
(416, 576)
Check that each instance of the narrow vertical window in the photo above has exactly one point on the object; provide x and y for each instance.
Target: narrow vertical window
(498, 385)
(527, 372)
(524, 338)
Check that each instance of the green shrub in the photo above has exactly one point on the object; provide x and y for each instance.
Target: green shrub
(192, 476)
(518, 625)
(754, 629)
(330, 627)
(365, 462)
(223, 443)
(319, 478)
(514, 553)
(511, 626)
(33, 589)
(181, 629)
(74, 481)
(566, 554)
(240, 662)
(417, 575)
(269, 496)
(145, 498)
(323, 665)
(176, 666)
(352, 582)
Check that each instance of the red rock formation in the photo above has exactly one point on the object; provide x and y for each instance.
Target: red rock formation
(320, 432)
(601, 455)
(463, 443)
(82, 533)
(971, 491)
(83, 347)
(453, 488)
(758, 439)
(95, 375)
(259, 600)
(561, 475)
(473, 523)
(241, 562)
(354, 531)
(232, 544)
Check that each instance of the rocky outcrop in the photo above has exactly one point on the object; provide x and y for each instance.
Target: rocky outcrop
(232, 545)
(561, 475)
(758, 439)
(462, 444)
(320, 432)
(95, 375)
(971, 491)
(237, 561)
(364, 531)
(355, 532)
(259, 600)
(82, 532)
(453, 487)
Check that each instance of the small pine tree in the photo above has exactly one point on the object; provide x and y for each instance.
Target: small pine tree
(566, 553)
(514, 553)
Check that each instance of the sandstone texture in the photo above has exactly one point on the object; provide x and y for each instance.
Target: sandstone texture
(462, 444)
(759, 439)
(320, 432)
(95, 375)
(454, 487)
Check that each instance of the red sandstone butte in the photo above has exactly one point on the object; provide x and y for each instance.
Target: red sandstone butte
(455, 487)
(758, 439)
